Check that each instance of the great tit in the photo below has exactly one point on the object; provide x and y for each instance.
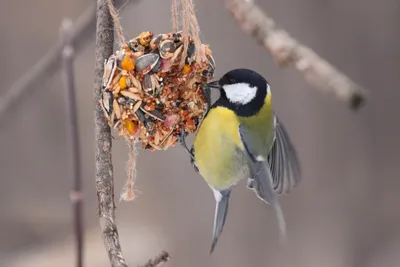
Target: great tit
(241, 137)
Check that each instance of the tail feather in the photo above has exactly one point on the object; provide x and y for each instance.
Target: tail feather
(221, 210)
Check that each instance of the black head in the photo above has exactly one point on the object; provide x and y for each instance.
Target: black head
(242, 90)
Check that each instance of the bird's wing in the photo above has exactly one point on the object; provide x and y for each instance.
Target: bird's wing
(262, 178)
(283, 161)
(221, 210)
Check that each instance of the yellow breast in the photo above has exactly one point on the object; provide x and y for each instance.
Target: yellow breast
(216, 146)
(219, 148)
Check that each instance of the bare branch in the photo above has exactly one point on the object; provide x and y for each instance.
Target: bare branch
(157, 261)
(48, 65)
(69, 83)
(286, 51)
(104, 167)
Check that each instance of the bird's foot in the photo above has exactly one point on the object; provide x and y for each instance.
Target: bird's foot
(250, 183)
(182, 141)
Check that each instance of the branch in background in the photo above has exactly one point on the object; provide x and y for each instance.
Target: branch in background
(157, 261)
(48, 65)
(104, 167)
(69, 83)
(286, 51)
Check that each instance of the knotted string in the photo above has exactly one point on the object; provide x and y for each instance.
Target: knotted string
(189, 25)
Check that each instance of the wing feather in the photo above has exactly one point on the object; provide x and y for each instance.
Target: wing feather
(262, 178)
(283, 161)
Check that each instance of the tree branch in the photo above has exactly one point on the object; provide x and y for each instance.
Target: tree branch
(286, 51)
(76, 193)
(104, 167)
(49, 64)
(158, 260)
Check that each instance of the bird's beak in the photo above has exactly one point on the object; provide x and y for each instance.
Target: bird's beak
(214, 85)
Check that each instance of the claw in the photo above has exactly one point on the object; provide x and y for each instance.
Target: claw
(182, 141)
(250, 183)
(181, 138)
(192, 161)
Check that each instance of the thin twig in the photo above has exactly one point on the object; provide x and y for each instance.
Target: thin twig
(157, 261)
(69, 83)
(288, 52)
(48, 65)
(104, 167)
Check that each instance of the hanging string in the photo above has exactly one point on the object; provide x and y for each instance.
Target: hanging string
(117, 23)
(189, 25)
(175, 16)
(185, 29)
(129, 191)
(194, 27)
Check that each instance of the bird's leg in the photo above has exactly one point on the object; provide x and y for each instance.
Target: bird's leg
(250, 183)
(182, 141)
(189, 151)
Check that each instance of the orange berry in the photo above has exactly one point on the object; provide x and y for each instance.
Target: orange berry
(186, 69)
(131, 127)
(128, 63)
(122, 82)
(190, 122)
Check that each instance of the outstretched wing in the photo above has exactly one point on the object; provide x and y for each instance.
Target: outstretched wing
(283, 161)
(261, 176)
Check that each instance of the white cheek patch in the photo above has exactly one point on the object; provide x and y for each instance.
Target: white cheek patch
(268, 89)
(241, 93)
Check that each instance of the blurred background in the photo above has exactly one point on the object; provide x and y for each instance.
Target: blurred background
(344, 213)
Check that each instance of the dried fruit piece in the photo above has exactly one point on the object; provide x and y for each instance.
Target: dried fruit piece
(190, 122)
(171, 120)
(122, 82)
(130, 126)
(186, 69)
(128, 63)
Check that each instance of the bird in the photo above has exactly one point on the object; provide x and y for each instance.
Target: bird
(241, 137)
